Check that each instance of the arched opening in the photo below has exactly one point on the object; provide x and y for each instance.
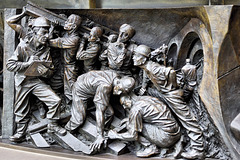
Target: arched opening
(186, 48)
(172, 53)
(196, 57)
(191, 48)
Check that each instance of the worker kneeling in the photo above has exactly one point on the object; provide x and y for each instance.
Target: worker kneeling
(150, 122)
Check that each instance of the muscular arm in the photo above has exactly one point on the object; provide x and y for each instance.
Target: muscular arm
(130, 135)
(70, 42)
(101, 101)
(12, 22)
(133, 127)
(100, 118)
(96, 145)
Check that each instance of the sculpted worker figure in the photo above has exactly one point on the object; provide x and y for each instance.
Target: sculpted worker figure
(119, 54)
(189, 73)
(150, 122)
(25, 54)
(189, 78)
(25, 33)
(97, 85)
(103, 57)
(69, 44)
(166, 89)
(91, 53)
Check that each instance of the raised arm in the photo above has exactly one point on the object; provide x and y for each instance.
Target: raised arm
(70, 42)
(13, 22)
(89, 53)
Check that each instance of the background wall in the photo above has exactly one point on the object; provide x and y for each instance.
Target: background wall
(118, 16)
(77, 4)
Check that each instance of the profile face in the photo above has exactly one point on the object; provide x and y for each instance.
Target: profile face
(93, 35)
(123, 35)
(42, 35)
(69, 24)
(138, 59)
(118, 88)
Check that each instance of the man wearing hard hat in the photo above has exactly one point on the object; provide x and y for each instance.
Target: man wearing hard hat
(28, 52)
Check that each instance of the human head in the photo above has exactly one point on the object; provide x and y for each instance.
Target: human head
(41, 22)
(188, 61)
(141, 54)
(73, 22)
(126, 32)
(95, 34)
(125, 101)
(41, 30)
(123, 85)
(112, 38)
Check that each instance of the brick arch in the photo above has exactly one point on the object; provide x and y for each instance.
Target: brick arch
(194, 30)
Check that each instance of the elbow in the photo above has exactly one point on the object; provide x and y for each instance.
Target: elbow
(8, 21)
(10, 67)
(135, 136)
(82, 56)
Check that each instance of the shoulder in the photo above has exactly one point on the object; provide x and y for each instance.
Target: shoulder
(151, 64)
(153, 67)
(136, 109)
(74, 38)
(132, 47)
(22, 45)
(111, 73)
(96, 44)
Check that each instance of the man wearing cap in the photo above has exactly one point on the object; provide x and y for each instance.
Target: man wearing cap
(119, 54)
(26, 53)
(96, 85)
(69, 44)
(166, 89)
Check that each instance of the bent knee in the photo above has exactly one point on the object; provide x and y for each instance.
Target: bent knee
(56, 100)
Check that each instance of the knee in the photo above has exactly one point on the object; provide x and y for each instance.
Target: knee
(111, 112)
(57, 100)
